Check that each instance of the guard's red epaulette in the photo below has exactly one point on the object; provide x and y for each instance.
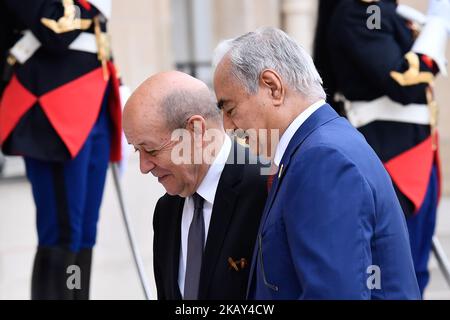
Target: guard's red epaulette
(85, 4)
(429, 62)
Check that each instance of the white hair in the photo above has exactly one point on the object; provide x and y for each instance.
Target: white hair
(221, 51)
(180, 104)
(271, 48)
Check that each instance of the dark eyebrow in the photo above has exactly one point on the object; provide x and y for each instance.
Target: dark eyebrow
(221, 103)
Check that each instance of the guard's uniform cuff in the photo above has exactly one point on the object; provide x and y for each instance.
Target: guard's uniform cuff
(432, 42)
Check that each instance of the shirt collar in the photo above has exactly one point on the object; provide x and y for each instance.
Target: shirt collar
(292, 129)
(208, 186)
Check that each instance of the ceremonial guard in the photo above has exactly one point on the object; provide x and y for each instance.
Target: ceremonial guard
(381, 66)
(60, 110)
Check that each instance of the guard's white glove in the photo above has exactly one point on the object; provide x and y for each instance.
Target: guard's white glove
(440, 9)
(409, 13)
(432, 41)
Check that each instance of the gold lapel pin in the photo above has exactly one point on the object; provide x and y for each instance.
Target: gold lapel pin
(242, 263)
(280, 172)
(232, 264)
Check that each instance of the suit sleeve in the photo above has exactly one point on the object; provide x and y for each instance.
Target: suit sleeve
(378, 53)
(30, 13)
(329, 226)
(157, 271)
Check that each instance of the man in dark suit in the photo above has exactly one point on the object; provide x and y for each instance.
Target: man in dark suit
(205, 226)
(332, 227)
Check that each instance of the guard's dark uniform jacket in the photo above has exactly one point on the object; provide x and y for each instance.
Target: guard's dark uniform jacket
(388, 87)
(61, 110)
(383, 68)
(33, 121)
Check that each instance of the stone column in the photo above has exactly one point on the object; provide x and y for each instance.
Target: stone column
(299, 20)
(141, 38)
(236, 17)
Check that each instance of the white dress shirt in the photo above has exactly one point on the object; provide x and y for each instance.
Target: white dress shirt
(207, 190)
(292, 129)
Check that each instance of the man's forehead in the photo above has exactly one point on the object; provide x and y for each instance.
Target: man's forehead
(139, 106)
(148, 139)
(141, 128)
(224, 87)
(223, 68)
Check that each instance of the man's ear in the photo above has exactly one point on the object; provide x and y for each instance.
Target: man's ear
(197, 126)
(271, 80)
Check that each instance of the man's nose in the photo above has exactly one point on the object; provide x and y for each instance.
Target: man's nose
(228, 122)
(145, 163)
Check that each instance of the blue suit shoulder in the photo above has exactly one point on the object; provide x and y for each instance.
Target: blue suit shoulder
(338, 195)
(341, 137)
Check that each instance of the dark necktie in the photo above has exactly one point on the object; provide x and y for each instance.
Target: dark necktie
(196, 239)
(270, 182)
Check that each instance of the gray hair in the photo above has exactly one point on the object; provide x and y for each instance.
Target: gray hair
(271, 48)
(179, 105)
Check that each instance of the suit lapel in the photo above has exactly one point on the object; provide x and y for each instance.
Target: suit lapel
(316, 120)
(222, 213)
(175, 244)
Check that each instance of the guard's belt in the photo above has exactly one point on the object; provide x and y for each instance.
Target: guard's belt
(361, 113)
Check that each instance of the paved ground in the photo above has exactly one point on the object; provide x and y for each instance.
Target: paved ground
(114, 275)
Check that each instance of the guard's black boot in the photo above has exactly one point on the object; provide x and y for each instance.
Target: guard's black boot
(84, 261)
(49, 280)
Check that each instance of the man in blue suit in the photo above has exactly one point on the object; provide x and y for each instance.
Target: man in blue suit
(332, 227)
